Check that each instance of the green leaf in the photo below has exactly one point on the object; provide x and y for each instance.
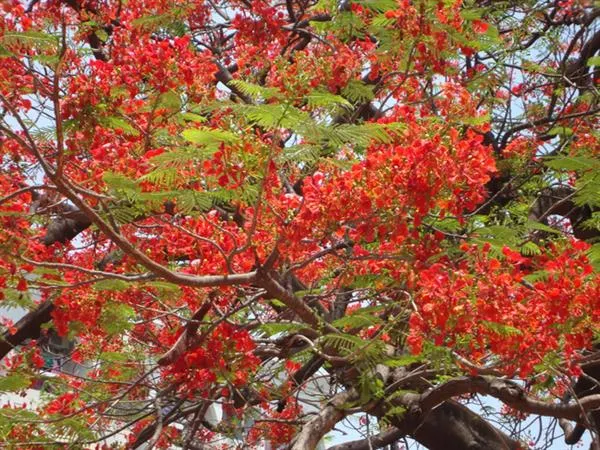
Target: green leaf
(300, 153)
(118, 181)
(16, 299)
(361, 135)
(325, 99)
(72, 428)
(594, 61)
(588, 189)
(533, 225)
(594, 256)
(29, 39)
(193, 117)
(285, 327)
(16, 382)
(111, 285)
(395, 411)
(163, 176)
(530, 249)
(571, 163)
(181, 156)
(118, 123)
(188, 200)
(48, 60)
(5, 53)
(164, 286)
(207, 136)
(501, 329)
(151, 23)
(379, 6)
(255, 91)
(476, 120)
(450, 225)
(170, 100)
(274, 116)
(358, 92)
(472, 14)
(538, 275)
(560, 131)
(342, 343)
(113, 357)
(102, 35)
(380, 22)
(116, 317)
(19, 414)
(499, 233)
(357, 321)
(401, 361)
(277, 303)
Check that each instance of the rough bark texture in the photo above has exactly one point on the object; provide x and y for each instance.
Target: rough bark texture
(452, 426)
(29, 327)
(322, 423)
(376, 441)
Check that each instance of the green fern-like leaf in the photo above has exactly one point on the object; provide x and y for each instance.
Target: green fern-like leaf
(380, 21)
(170, 101)
(572, 163)
(117, 181)
(361, 135)
(342, 343)
(588, 189)
(124, 215)
(357, 321)
(395, 411)
(249, 193)
(502, 329)
(401, 361)
(539, 275)
(190, 200)
(358, 92)
(327, 100)
(209, 137)
(272, 329)
(274, 116)
(594, 256)
(119, 123)
(506, 235)
(255, 91)
(530, 249)
(301, 153)
(533, 225)
(183, 156)
(380, 6)
(29, 39)
(163, 176)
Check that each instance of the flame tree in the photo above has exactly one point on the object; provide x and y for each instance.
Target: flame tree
(233, 203)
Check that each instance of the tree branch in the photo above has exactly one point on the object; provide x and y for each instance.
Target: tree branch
(29, 327)
(379, 440)
(314, 430)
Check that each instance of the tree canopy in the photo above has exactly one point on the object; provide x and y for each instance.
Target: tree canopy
(299, 212)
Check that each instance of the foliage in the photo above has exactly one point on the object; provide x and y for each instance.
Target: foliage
(225, 203)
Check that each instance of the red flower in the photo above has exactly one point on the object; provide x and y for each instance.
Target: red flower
(480, 26)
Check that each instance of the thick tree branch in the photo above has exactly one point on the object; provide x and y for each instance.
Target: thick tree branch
(379, 440)
(142, 258)
(314, 430)
(544, 121)
(559, 200)
(452, 426)
(504, 390)
(186, 339)
(29, 327)
(275, 289)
